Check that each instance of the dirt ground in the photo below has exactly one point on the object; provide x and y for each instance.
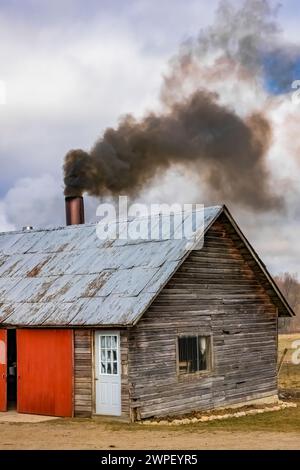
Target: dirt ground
(276, 430)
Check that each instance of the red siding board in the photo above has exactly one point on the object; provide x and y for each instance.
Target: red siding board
(45, 372)
(3, 370)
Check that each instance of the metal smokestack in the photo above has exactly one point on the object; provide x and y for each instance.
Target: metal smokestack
(74, 210)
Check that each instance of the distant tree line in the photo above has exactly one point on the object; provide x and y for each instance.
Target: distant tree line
(290, 287)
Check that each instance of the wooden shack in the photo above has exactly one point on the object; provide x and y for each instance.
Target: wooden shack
(135, 329)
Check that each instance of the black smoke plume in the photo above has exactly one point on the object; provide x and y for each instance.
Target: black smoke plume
(225, 151)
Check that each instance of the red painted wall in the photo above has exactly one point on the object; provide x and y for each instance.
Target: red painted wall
(3, 370)
(45, 372)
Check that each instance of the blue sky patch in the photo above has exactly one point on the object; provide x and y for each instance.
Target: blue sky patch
(281, 68)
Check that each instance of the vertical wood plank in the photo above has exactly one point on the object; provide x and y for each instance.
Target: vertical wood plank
(83, 373)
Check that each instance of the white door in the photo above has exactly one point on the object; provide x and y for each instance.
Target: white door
(108, 373)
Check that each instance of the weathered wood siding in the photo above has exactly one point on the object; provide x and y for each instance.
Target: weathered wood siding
(125, 391)
(84, 393)
(219, 291)
(83, 373)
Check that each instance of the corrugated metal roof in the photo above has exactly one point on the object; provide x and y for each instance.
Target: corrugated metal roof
(69, 277)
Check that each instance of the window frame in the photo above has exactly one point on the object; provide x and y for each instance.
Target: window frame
(204, 372)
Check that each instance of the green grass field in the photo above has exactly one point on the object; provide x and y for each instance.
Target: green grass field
(289, 376)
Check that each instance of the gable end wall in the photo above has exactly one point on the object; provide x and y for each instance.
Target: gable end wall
(218, 292)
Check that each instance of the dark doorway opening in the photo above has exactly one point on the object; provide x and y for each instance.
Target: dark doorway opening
(11, 369)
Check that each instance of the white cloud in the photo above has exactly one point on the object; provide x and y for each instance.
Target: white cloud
(68, 77)
(35, 202)
(5, 226)
(65, 86)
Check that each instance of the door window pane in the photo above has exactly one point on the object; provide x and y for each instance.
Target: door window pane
(109, 354)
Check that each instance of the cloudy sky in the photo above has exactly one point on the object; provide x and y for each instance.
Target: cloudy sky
(70, 69)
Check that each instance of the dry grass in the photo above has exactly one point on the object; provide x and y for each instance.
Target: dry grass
(287, 420)
(289, 377)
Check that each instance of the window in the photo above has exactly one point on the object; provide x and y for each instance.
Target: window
(194, 354)
(109, 354)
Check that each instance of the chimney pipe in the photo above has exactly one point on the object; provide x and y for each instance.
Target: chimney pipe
(74, 210)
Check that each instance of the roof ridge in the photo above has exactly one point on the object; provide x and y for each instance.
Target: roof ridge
(91, 224)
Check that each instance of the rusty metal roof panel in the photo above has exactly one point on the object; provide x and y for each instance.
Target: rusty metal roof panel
(69, 277)
(8, 240)
(29, 314)
(159, 279)
(23, 265)
(112, 310)
(63, 240)
(127, 282)
(6, 284)
(9, 264)
(21, 242)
